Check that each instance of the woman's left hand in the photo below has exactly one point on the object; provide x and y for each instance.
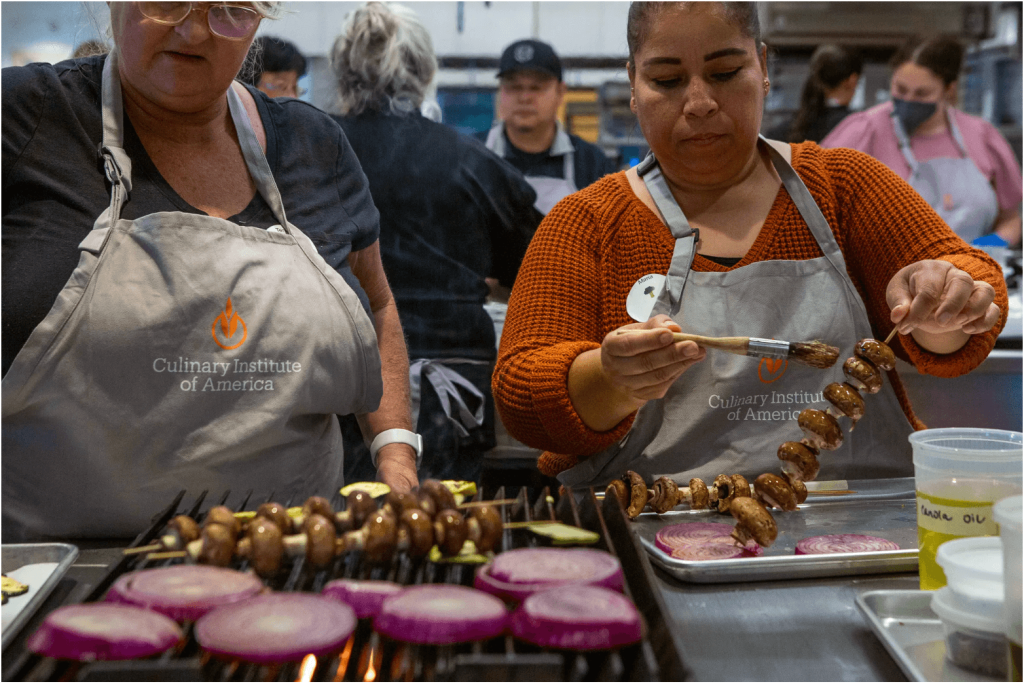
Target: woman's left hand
(935, 297)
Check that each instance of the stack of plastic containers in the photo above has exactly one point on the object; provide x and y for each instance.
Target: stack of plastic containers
(1008, 514)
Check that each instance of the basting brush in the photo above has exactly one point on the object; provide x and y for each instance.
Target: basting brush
(814, 354)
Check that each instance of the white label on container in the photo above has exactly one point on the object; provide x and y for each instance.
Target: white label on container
(960, 519)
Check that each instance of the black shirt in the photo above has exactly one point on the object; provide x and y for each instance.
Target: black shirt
(817, 128)
(590, 163)
(54, 187)
(451, 214)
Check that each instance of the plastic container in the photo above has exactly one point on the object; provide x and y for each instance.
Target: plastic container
(960, 473)
(1008, 514)
(971, 606)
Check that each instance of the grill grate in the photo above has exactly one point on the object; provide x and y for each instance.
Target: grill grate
(368, 656)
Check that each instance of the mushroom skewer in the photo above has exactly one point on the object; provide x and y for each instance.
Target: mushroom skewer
(180, 531)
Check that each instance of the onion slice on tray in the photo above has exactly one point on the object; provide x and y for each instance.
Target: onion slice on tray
(184, 592)
(514, 575)
(579, 617)
(843, 543)
(103, 631)
(441, 614)
(277, 628)
(365, 596)
(698, 541)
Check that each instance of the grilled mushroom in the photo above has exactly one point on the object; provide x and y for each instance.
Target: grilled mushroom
(699, 496)
(800, 459)
(637, 493)
(417, 530)
(666, 495)
(863, 375)
(820, 429)
(772, 490)
(450, 531)
(847, 401)
(876, 352)
(753, 521)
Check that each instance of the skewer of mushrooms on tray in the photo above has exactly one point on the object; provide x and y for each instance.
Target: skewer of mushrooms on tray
(747, 502)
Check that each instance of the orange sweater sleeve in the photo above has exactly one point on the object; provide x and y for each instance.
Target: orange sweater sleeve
(555, 313)
(885, 226)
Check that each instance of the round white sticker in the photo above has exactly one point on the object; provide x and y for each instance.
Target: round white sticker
(643, 295)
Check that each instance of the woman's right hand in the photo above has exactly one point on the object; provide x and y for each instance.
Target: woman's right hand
(642, 360)
(636, 363)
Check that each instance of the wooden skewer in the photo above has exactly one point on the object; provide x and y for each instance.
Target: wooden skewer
(496, 502)
(891, 335)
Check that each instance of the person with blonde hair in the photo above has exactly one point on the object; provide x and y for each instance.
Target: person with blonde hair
(452, 215)
(192, 285)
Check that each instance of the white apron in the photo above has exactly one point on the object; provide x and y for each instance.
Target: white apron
(185, 352)
(550, 191)
(955, 188)
(729, 414)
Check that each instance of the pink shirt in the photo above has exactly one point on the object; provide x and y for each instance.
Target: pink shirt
(871, 132)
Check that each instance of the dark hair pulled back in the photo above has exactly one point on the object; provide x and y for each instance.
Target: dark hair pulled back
(942, 55)
(830, 66)
(742, 14)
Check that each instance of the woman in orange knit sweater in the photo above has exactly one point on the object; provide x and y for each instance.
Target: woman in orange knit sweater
(758, 239)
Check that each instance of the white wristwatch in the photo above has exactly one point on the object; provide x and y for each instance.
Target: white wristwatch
(397, 435)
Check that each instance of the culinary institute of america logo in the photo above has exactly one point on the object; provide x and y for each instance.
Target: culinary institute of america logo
(228, 329)
(770, 370)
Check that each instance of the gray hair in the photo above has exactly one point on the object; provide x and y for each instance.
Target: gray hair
(383, 60)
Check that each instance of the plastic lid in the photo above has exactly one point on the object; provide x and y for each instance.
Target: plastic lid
(969, 450)
(974, 568)
(955, 612)
(1009, 511)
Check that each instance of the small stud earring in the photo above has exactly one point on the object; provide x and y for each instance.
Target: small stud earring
(767, 86)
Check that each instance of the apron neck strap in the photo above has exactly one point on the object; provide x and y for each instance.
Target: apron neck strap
(118, 164)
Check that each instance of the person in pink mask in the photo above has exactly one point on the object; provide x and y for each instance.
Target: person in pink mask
(959, 163)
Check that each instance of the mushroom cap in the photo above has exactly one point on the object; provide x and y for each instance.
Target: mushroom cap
(772, 490)
(442, 496)
(821, 429)
(801, 457)
(360, 506)
(420, 530)
(381, 537)
(277, 513)
(491, 527)
(637, 493)
(317, 505)
(846, 399)
(320, 537)
(267, 546)
(876, 352)
(740, 485)
(699, 496)
(451, 531)
(666, 494)
(754, 518)
(218, 545)
(863, 375)
(222, 515)
(799, 488)
(619, 490)
(186, 527)
(726, 490)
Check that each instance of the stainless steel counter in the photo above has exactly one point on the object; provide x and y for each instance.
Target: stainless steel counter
(797, 630)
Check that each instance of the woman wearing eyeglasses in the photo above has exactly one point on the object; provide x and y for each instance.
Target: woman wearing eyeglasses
(192, 286)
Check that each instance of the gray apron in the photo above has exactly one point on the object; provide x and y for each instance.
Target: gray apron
(729, 414)
(955, 188)
(448, 384)
(550, 191)
(185, 352)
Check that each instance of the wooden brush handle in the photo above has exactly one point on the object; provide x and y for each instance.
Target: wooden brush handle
(733, 345)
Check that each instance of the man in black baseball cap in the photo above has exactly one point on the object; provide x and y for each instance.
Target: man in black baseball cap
(528, 134)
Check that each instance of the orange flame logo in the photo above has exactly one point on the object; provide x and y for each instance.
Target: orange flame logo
(228, 320)
(770, 370)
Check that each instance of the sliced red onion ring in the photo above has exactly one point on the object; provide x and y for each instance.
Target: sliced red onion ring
(365, 596)
(843, 543)
(277, 628)
(441, 614)
(579, 618)
(103, 631)
(703, 541)
(516, 574)
(184, 592)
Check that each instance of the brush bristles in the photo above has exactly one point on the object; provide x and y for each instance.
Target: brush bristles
(814, 354)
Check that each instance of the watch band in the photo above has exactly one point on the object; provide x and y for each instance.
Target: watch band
(397, 435)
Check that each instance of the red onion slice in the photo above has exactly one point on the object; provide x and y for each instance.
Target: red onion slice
(277, 628)
(117, 590)
(516, 574)
(703, 541)
(184, 592)
(579, 618)
(441, 614)
(103, 631)
(365, 596)
(843, 543)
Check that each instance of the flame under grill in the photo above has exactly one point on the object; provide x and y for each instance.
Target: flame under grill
(369, 657)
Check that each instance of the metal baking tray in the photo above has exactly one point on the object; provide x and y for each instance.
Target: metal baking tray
(880, 508)
(905, 624)
(15, 556)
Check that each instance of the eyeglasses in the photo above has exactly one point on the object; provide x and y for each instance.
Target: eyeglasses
(227, 21)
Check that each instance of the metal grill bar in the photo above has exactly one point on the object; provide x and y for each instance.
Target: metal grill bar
(369, 657)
